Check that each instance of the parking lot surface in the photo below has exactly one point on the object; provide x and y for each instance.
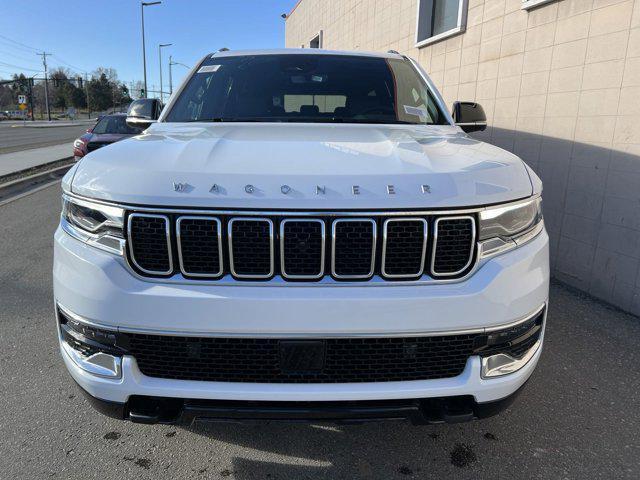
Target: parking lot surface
(577, 418)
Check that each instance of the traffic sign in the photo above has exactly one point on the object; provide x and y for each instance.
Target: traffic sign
(22, 99)
(22, 106)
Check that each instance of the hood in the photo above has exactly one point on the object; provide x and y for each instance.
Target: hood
(302, 166)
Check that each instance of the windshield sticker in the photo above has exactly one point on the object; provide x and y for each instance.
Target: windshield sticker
(209, 69)
(417, 111)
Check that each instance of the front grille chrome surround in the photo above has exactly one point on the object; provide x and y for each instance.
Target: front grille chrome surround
(181, 260)
(334, 226)
(385, 230)
(434, 248)
(167, 224)
(271, 250)
(283, 269)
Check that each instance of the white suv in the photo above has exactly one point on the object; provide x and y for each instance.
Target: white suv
(302, 235)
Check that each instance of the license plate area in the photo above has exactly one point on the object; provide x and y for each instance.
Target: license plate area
(302, 356)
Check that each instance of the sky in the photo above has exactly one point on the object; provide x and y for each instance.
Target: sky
(85, 34)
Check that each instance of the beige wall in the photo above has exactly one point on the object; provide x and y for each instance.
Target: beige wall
(561, 88)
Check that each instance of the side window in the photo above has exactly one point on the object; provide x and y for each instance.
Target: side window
(438, 19)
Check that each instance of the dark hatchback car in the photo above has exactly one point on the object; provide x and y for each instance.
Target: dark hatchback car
(108, 129)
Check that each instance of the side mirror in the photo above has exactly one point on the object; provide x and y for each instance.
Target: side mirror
(469, 116)
(143, 112)
(139, 122)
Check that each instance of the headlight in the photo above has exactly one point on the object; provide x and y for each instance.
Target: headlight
(94, 223)
(505, 227)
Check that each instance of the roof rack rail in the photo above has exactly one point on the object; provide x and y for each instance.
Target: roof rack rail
(393, 51)
(223, 49)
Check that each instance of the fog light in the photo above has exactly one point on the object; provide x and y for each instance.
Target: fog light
(503, 364)
(100, 364)
(91, 349)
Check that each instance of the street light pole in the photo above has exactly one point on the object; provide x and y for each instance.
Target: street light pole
(144, 52)
(160, 47)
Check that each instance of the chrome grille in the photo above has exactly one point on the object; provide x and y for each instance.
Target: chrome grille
(353, 249)
(199, 242)
(453, 245)
(251, 247)
(301, 247)
(404, 246)
(151, 251)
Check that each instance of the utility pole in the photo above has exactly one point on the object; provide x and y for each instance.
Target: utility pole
(86, 93)
(170, 79)
(46, 83)
(144, 52)
(160, 47)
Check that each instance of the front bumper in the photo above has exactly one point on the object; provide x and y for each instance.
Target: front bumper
(99, 288)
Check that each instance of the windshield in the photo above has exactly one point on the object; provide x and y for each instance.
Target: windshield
(306, 88)
(115, 124)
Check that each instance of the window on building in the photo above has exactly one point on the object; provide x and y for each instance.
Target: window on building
(438, 19)
(527, 4)
(316, 42)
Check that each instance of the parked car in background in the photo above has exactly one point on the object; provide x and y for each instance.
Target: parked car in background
(108, 129)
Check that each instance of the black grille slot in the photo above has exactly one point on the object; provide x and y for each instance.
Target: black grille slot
(258, 360)
(302, 248)
(453, 248)
(354, 244)
(199, 246)
(149, 243)
(404, 247)
(251, 247)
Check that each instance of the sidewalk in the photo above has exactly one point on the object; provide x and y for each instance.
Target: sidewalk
(45, 124)
(16, 161)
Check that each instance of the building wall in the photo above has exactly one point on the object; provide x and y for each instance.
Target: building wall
(561, 88)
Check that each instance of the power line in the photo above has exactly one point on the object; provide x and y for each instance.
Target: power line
(68, 64)
(18, 67)
(19, 43)
(19, 57)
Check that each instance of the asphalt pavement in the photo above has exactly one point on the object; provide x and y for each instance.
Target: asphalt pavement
(15, 137)
(577, 418)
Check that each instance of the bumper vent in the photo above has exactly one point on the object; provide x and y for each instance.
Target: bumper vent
(301, 248)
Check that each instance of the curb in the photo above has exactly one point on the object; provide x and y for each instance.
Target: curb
(37, 170)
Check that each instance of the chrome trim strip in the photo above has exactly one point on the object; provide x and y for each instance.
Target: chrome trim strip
(322, 253)
(308, 213)
(297, 335)
(435, 243)
(99, 364)
(230, 236)
(167, 235)
(333, 248)
(504, 364)
(97, 241)
(178, 241)
(384, 247)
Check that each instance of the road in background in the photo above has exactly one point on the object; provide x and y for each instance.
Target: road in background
(16, 138)
(577, 417)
